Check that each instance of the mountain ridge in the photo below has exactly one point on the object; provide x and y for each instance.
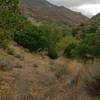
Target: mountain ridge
(43, 11)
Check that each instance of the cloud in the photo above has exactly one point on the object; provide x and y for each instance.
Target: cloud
(74, 3)
(90, 9)
(87, 7)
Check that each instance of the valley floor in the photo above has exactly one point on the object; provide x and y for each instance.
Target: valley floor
(36, 77)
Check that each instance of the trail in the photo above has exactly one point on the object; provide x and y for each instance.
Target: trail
(39, 78)
(23, 83)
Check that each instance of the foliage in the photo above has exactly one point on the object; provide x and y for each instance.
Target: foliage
(65, 41)
(52, 52)
(89, 47)
(40, 38)
(71, 43)
(8, 10)
(4, 39)
(9, 5)
(88, 28)
(69, 50)
(35, 38)
(13, 25)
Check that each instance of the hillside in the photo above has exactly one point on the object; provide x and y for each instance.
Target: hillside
(35, 76)
(96, 17)
(42, 62)
(90, 26)
(43, 11)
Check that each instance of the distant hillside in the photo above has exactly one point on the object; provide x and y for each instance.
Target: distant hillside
(43, 11)
(89, 27)
(97, 17)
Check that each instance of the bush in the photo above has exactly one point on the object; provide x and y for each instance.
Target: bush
(89, 47)
(6, 62)
(90, 27)
(8, 11)
(69, 50)
(13, 25)
(71, 43)
(31, 39)
(5, 39)
(38, 38)
(52, 52)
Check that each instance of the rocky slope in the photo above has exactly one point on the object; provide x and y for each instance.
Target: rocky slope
(43, 11)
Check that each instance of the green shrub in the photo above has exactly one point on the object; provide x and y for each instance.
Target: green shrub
(14, 26)
(38, 38)
(8, 11)
(52, 52)
(90, 27)
(5, 39)
(89, 47)
(70, 50)
(32, 38)
(71, 43)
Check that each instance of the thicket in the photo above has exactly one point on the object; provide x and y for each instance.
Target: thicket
(42, 38)
(8, 11)
(88, 47)
(13, 26)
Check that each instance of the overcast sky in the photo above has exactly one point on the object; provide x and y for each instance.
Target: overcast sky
(87, 7)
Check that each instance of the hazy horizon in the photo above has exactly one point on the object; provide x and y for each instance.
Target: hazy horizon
(87, 7)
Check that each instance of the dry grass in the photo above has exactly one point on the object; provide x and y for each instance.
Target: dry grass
(90, 76)
(5, 61)
(37, 77)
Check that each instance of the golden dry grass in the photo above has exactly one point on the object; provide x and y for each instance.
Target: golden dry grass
(40, 78)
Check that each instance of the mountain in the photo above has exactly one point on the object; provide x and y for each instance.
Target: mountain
(96, 17)
(90, 26)
(43, 11)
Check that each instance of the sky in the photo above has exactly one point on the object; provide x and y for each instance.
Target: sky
(87, 7)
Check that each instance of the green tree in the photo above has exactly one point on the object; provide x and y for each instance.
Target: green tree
(8, 11)
(69, 50)
(89, 47)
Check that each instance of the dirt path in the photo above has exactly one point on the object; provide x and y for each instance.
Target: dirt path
(23, 83)
(28, 78)
(39, 78)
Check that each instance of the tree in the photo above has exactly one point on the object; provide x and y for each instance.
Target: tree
(8, 11)
(69, 50)
(89, 47)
